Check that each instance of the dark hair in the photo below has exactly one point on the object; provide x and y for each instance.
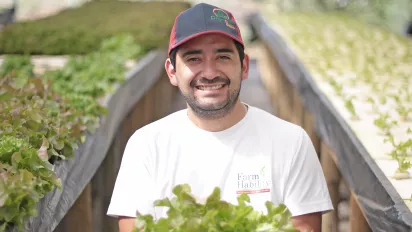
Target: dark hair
(239, 48)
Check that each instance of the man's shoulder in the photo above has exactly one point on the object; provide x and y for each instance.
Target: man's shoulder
(277, 131)
(275, 125)
(169, 123)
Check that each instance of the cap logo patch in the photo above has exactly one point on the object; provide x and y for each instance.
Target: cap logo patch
(222, 16)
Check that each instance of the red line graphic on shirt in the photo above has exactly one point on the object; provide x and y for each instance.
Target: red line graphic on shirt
(253, 191)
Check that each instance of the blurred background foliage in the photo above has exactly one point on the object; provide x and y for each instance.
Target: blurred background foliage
(394, 15)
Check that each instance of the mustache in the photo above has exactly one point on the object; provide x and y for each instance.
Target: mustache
(222, 80)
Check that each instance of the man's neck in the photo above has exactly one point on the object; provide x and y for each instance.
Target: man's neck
(214, 125)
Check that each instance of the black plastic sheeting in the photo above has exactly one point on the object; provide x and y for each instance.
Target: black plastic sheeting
(384, 209)
(76, 173)
(7, 16)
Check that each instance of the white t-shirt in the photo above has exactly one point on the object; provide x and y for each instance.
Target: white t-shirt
(271, 159)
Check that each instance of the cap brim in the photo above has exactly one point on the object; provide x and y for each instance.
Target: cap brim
(204, 33)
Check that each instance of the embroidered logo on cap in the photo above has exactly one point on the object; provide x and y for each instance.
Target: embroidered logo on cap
(222, 16)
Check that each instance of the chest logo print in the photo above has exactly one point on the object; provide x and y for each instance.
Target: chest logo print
(253, 182)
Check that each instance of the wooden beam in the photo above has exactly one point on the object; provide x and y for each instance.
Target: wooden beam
(298, 109)
(272, 76)
(330, 221)
(309, 126)
(79, 217)
(357, 219)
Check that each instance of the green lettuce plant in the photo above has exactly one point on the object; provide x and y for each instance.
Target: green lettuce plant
(185, 214)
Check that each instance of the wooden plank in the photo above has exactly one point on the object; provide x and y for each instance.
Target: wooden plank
(282, 100)
(127, 129)
(298, 109)
(271, 77)
(79, 217)
(164, 97)
(333, 177)
(136, 115)
(264, 78)
(105, 177)
(160, 91)
(357, 219)
(285, 98)
(148, 102)
(112, 165)
(103, 183)
(98, 182)
(309, 126)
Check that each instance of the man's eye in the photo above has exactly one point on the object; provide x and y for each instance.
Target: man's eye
(193, 59)
(224, 57)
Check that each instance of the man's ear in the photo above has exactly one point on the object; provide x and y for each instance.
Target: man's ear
(245, 68)
(170, 70)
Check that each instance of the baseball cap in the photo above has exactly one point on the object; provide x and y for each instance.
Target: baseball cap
(202, 19)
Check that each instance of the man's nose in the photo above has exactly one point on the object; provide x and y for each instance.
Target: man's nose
(210, 70)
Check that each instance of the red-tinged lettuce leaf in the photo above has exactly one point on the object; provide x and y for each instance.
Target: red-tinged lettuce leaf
(19, 195)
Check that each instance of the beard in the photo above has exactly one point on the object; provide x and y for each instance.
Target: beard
(212, 110)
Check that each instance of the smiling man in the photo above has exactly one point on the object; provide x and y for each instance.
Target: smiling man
(218, 140)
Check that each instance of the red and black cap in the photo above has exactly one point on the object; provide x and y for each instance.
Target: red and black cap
(202, 19)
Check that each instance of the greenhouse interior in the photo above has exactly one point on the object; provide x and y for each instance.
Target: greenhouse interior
(81, 80)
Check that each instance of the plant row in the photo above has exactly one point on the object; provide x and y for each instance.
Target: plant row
(392, 15)
(44, 119)
(80, 30)
(366, 67)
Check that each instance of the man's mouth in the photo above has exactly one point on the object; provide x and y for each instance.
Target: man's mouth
(210, 87)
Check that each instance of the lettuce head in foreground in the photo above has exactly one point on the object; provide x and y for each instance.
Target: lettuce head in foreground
(185, 214)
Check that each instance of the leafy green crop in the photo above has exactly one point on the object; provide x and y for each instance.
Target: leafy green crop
(43, 119)
(18, 67)
(25, 178)
(187, 215)
(80, 30)
(35, 127)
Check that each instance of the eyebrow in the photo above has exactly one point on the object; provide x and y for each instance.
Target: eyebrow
(225, 50)
(191, 52)
(198, 51)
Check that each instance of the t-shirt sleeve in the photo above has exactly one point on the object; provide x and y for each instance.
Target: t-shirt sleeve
(134, 187)
(306, 190)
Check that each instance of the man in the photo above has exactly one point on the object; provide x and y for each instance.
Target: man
(218, 140)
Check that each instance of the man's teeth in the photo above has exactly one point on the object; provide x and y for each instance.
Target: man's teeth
(210, 87)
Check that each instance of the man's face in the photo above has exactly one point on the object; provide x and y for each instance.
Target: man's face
(208, 73)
